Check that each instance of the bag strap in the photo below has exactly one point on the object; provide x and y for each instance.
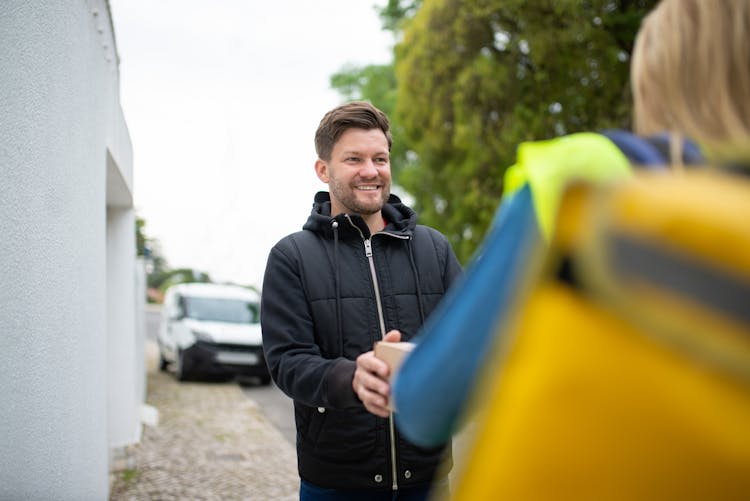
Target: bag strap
(652, 152)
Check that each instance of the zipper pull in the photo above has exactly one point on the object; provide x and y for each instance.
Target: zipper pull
(368, 248)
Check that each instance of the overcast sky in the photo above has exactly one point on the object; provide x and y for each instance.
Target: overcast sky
(222, 99)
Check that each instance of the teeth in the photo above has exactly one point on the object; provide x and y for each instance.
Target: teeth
(367, 188)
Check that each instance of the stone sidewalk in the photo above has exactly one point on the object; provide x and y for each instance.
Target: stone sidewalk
(211, 443)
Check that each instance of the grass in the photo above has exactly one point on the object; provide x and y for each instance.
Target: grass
(129, 475)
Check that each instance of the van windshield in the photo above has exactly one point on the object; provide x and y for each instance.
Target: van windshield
(221, 310)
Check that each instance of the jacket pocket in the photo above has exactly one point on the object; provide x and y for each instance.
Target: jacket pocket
(346, 434)
(317, 421)
(309, 423)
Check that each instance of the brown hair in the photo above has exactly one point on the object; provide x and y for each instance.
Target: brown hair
(690, 74)
(356, 114)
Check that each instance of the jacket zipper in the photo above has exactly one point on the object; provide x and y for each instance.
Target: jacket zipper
(381, 319)
(368, 253)
(391, 427)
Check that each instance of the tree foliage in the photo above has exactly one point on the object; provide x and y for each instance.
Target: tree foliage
(149, 249)
(473, 78)
(396, 12)
(159, 276)
(140, 236)
(478, 77)
(163, 279)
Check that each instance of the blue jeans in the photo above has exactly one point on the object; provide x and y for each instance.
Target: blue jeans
(310, 492)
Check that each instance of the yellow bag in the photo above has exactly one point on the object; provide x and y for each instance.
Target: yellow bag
(625, 373)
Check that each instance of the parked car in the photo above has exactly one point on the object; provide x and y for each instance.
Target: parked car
(211, 330)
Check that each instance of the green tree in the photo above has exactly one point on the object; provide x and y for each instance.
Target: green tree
(148, 248)
(396, 12)
(477, 77)
(159, 275)
(170, 277)
(140, 236)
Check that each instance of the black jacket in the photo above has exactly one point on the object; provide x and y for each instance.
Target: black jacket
(319, 311)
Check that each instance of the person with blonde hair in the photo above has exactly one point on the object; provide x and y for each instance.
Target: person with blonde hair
(690, 77)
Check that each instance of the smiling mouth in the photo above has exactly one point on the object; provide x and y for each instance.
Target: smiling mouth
(368, 188)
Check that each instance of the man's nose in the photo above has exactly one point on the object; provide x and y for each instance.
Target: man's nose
(369, 169)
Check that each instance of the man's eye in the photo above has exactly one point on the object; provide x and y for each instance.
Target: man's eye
(381, 160)
(352, 159)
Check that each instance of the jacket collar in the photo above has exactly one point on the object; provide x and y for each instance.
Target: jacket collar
(400, 219)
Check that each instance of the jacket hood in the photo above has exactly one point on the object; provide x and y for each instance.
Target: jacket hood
(399, 218)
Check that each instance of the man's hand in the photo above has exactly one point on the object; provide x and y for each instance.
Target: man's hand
(369, 381)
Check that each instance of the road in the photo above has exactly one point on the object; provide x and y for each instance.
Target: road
(276, 406)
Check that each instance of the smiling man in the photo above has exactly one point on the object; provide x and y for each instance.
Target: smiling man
(360, 268)
(358, 175)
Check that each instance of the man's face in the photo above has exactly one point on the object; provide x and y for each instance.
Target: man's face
(359, 172)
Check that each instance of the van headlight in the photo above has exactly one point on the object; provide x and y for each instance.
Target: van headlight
(202, 336)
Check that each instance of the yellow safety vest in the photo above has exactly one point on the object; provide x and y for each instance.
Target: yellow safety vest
(628, 378)
(551, 165)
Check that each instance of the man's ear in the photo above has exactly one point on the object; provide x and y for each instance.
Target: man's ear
(321, 169)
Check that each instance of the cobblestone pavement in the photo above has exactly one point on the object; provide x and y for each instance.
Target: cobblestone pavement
(212, 442)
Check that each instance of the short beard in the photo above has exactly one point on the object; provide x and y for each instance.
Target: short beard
(350, 202)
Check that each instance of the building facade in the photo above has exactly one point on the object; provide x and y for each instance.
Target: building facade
(72, 376)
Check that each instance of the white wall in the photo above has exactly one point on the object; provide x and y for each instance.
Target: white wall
(65, 155)
(140, 335)
(123, 410)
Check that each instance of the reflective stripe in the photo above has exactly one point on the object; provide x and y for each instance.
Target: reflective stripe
(635, 259)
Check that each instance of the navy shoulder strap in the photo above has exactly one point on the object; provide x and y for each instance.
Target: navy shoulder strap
(652, 152)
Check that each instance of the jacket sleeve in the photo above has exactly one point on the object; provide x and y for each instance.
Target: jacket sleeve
(459, 333)
(293, 357)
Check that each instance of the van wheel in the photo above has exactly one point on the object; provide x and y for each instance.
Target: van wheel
(163, 363)
(180, 370)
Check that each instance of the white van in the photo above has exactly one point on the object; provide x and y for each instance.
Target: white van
(212, 329)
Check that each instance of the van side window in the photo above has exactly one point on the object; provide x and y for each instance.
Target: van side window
(254, 310)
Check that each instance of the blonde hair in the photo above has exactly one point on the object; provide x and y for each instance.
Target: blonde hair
(690, 74)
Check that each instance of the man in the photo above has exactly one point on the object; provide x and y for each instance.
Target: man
(360, 267)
